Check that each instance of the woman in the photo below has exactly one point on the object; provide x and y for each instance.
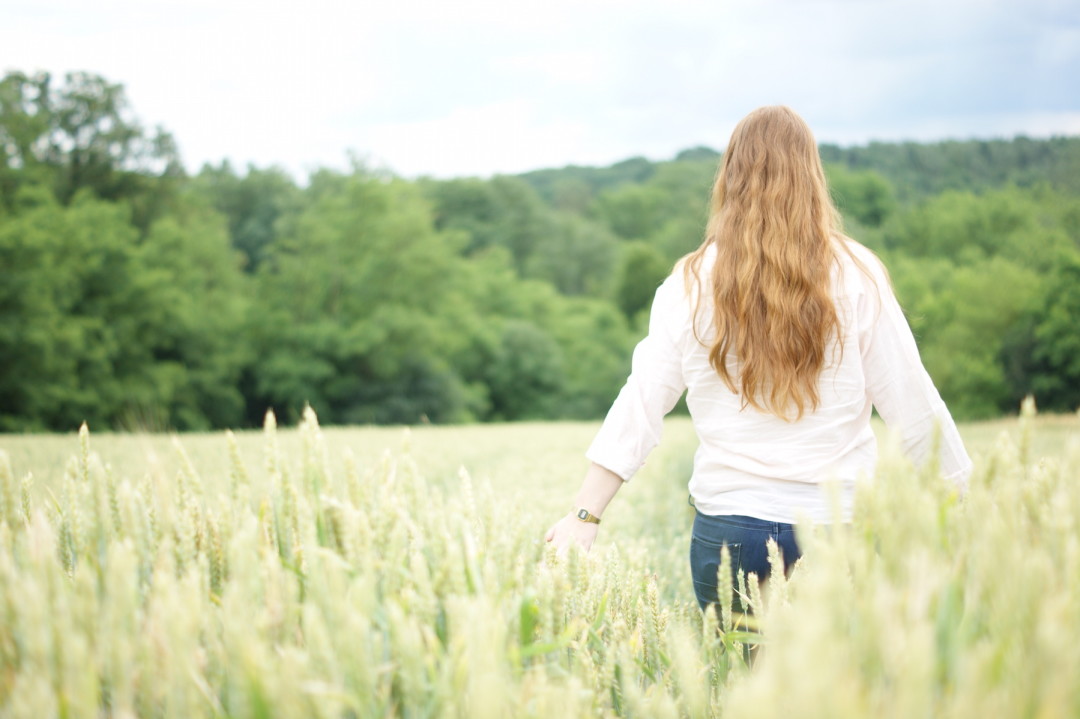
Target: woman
(785, 334)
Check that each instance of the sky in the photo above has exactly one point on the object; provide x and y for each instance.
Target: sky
(452, 88)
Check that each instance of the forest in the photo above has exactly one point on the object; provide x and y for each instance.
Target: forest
(136, 294)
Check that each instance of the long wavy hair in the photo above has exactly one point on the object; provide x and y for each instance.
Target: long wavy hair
(772, 224)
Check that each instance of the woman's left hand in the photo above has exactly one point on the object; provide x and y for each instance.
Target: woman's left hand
(571, 530)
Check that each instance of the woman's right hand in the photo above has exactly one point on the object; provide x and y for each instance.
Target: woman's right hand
(571, 530)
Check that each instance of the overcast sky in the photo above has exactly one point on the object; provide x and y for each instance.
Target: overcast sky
(470, 87)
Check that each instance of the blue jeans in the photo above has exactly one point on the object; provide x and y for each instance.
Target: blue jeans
(745, 538)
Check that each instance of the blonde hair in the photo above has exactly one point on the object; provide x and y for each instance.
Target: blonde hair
(773, 224)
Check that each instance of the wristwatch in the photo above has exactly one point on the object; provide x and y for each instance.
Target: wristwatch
(585, 516)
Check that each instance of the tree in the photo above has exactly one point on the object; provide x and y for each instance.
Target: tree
(525, 376)
(864, 196)
(75, 308)
(358, 303)
(577, 256)
(642, 270)
(961, 322)
(253, 204)
(197, 338)
(1022, 226)
(504, 212)
(99, 326)
(81, 136)
(633, 212)
(1055, 379)
(596, 342)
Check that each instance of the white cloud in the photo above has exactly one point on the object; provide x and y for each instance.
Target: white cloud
(487, 139)
(475, 86)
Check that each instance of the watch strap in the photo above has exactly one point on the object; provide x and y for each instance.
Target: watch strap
(586, 516)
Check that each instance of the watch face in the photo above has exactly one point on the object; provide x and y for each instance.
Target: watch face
(583, 514)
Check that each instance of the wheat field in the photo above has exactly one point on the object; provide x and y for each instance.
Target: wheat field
(384, 572)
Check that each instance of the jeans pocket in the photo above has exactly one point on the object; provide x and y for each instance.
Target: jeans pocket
(705, 556)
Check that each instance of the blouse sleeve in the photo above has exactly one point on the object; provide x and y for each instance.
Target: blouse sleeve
(635, 421)
(900, 387)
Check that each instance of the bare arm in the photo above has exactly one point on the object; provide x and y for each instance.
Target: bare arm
(599, 486)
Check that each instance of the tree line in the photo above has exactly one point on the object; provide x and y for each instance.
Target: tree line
(134, 294)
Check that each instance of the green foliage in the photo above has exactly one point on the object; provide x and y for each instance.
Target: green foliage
(918, 171)
(104, 328)
(632, 211)
(502, 212)
(1020, 225)
(588, 181)
(642, 270)
(80, 136)
(668, 211)
(525, 374)
(979, 276)
(253, 205)
(135, 296)
(1055, 380)
(985, 299)
(202, 302)
(577, 256)
(66, 271)
(596, 349)
(864, 196)
(356, 303)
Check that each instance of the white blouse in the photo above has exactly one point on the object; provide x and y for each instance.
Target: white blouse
(753, 463)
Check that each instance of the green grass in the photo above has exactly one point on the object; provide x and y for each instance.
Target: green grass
(391, 572)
